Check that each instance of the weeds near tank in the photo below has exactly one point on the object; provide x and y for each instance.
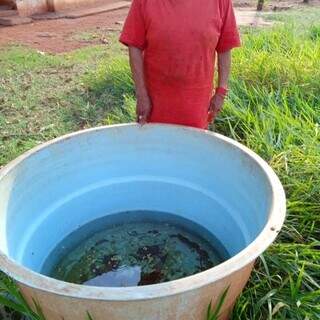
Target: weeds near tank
(213, 314)
(11, 297)
(89, 316)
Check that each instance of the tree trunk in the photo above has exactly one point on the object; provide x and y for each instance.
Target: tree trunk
(261, 3)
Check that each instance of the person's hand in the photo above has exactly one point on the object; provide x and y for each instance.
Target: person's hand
(216, 105)
(143, 109)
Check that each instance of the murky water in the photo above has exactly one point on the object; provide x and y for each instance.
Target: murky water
(134, 249)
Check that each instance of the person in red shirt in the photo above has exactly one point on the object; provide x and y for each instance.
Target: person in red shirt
(172, 48)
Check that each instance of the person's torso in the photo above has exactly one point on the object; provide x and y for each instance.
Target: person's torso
(181, 38)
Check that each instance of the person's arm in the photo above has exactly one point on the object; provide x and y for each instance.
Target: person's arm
(224, 66)
(133, 35)
(143, 99)
(229, 39)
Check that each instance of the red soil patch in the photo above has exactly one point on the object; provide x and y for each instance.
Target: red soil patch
(57, 35)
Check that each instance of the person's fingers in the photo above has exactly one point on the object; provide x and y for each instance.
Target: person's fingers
(143, 114)
(214, 106)
(217, 105)
(140, 115)
(142, 119)
(210, 108)
(210, 117)
(216, 111)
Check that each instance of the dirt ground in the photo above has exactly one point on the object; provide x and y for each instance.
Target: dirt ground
(62, 35)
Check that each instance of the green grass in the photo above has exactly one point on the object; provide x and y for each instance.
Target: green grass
(44, 96)
(213, 313)
(11, 297)
(273, 107)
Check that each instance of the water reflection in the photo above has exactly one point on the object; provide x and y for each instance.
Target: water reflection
(122, 277)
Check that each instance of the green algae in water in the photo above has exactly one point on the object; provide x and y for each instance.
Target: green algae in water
(134, 249)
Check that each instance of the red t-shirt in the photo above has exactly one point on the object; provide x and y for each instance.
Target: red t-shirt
(179, 39)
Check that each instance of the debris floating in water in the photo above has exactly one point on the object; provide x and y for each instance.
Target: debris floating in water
(136, 252)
